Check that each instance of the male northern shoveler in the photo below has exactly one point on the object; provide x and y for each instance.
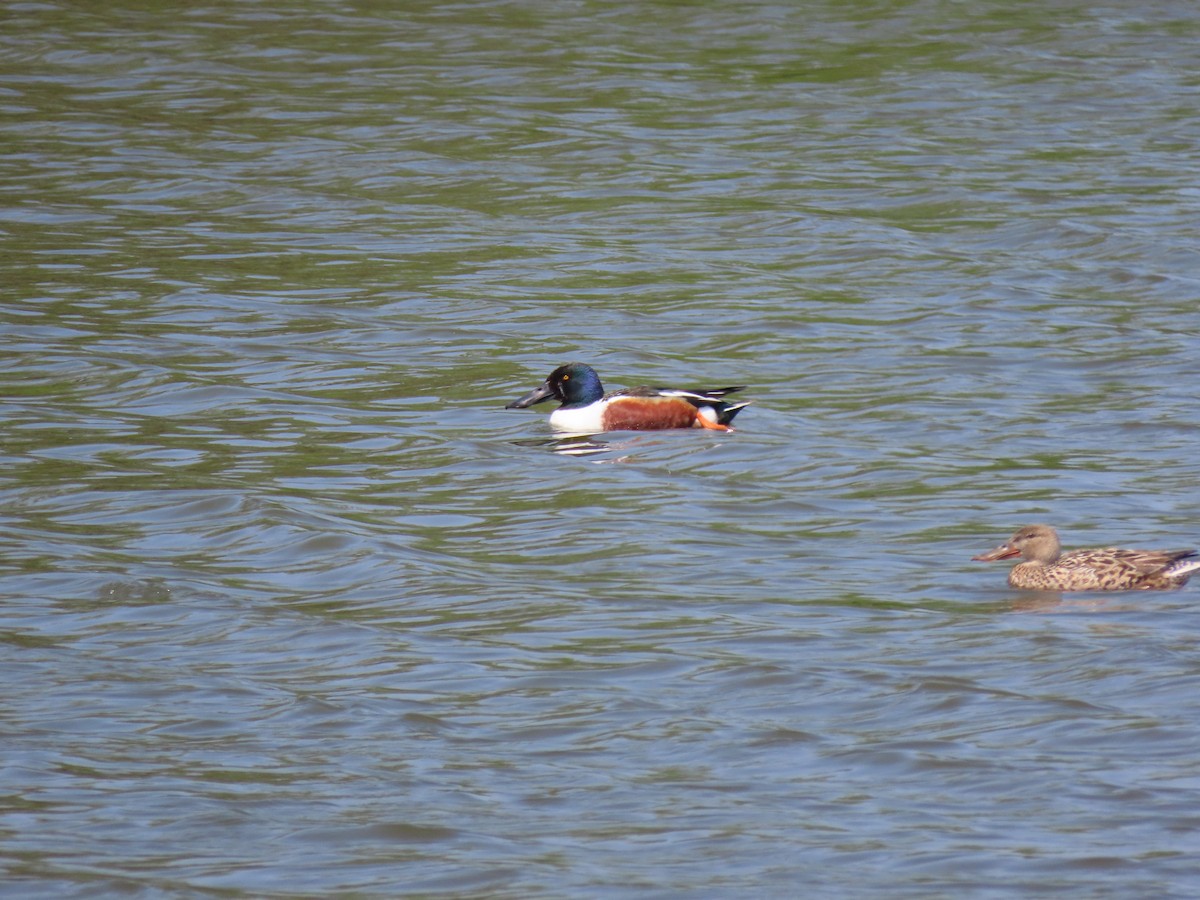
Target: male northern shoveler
(586, 409)
(1047, 568)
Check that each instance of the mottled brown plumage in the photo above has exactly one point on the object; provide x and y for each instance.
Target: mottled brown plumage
(1047, 568)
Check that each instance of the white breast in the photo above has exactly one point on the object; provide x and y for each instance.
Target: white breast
(587, 420)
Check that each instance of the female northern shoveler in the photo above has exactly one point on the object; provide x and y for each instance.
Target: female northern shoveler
(1047, 568)
(586, 409)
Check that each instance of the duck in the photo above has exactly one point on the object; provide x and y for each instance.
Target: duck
(1046, 568)
(586, 409)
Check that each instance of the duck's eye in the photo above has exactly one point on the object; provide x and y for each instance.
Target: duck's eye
(566, 378)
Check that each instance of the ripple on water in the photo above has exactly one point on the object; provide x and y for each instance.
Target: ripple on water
(290, 599)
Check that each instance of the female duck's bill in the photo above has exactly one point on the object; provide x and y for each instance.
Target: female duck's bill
(586, 409)
(1046, 568)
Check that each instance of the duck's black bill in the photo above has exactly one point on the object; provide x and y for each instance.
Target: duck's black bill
(537, 395)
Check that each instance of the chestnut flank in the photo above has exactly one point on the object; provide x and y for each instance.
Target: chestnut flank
(647, 413)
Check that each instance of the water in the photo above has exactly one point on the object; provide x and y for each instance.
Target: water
(293, 606)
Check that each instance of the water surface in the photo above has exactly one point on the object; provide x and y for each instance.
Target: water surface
(293, 606)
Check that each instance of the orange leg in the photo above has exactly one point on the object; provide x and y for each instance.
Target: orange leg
(704, 423)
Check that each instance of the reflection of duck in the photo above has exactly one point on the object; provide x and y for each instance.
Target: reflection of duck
(586, 409)
(1047, 568)
(571, 445)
